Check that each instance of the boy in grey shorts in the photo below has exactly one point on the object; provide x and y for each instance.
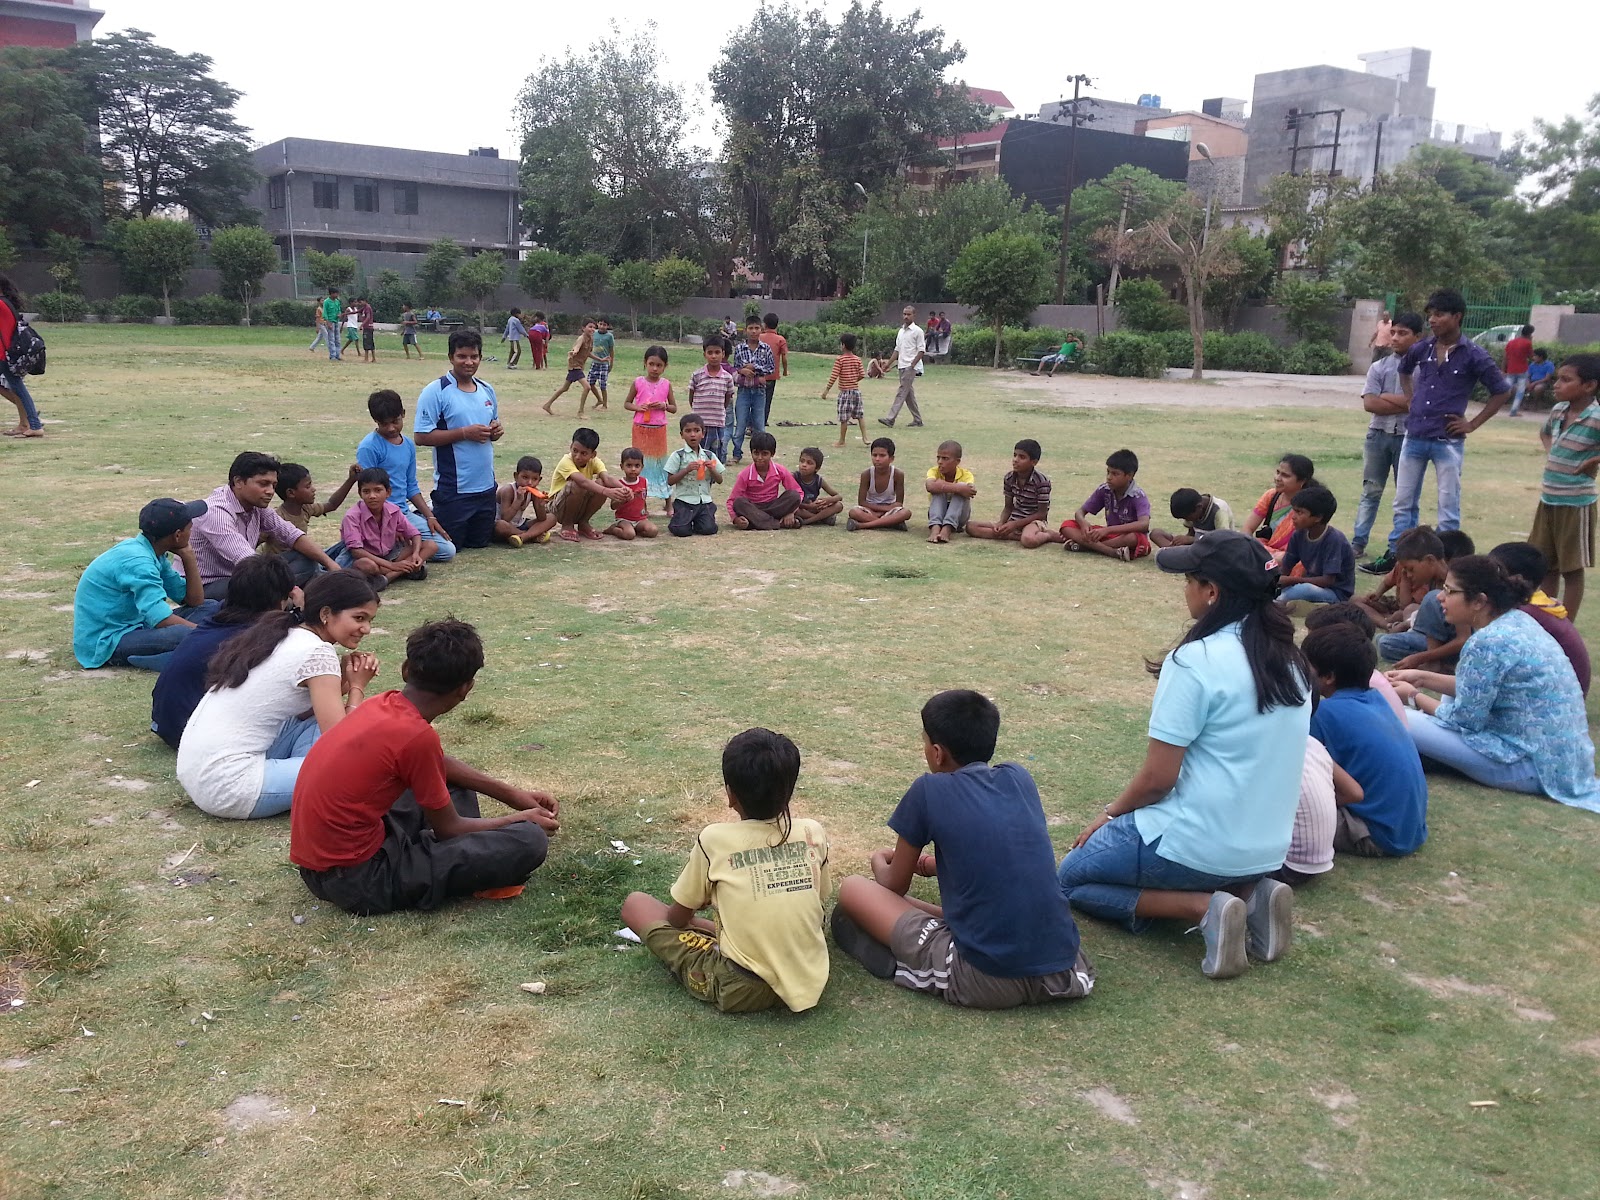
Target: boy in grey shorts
(1003, 935)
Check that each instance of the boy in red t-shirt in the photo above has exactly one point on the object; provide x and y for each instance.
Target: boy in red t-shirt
(1518, 350)
(383, 820)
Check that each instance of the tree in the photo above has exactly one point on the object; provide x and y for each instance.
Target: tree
(1557, 229)
(1005, 276)
(167, 128)
(676, 280)
(8, 250)
(543, 274)
(436, 277)
(1308, 307)
(1303, 213)
(1126, 197)
(1144, 307)
(1252, 281)
(330, 270)
(155, 255)
(49, 180)
(1409, 235)
(66, 261)
(635, 282)
(244, 254)
(588, 277)
(480, 278)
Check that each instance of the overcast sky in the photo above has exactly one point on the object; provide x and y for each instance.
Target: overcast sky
(439, 76)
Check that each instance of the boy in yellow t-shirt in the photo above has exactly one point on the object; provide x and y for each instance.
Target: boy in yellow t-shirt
(951, 488)
(765, 875)
(581, 488)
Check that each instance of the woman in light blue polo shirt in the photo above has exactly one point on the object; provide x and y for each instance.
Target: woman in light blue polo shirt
(1211, 810)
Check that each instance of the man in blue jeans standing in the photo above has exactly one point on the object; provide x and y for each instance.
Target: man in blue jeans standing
(1438, 375)
(1386, 432)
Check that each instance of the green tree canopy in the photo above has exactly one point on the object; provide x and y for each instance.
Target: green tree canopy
(676, 280)
(543, 273)
(1557, 230)
(243, 254)
(588, 276)
(1005, 275)
(1409, 235)
(635, 282)
(330, 270)
(436, 277)
(480, 278)
(155, 255)
(49, 181)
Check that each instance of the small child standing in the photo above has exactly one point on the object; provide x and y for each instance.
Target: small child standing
(881, 493)
(604, 353)
(1199, 512)
(538, 341)
(577, 357)
(1025, 509)
(512, 522)
(650, 399)
(847, 374)
(765, 495)
(514, 333)
(408, 331)
(765, 875)
(1004, 935)
(819, 503)
(1125, 534)
(298, 492)
(378, 538)
(691, 470)
(1563, 524)
(1326, 560)
(711, 392)
(950, 488)
(631, 521)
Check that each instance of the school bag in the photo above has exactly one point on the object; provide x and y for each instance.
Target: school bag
(25, 356)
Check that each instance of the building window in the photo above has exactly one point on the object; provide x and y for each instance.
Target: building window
(405, 199)
(366, 195)
(277, 187)
(324, 191)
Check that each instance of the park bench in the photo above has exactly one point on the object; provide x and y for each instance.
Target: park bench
(1031, 360)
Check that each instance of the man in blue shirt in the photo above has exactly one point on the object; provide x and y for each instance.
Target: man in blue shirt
(458, 416)
(122, 612)
(1438, 375)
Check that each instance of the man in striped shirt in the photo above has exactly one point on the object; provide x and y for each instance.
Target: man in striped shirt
(1563, 524)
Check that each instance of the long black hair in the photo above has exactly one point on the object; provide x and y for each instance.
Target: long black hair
(260, 584)
(9, 293)
(337, 590)
(1282, 676)
(1481, 575)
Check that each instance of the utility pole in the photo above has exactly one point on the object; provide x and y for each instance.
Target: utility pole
(1077, 116)
(1122, 225)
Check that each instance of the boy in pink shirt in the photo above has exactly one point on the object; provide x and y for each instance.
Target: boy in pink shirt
(765, 495)
(379, 539)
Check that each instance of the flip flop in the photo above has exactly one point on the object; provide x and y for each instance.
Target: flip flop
(569, 535)
(500, 893)
(593, 535)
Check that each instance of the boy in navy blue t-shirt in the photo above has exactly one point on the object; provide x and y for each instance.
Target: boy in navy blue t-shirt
(1364, 737)
(1003, 935)
(1325, 557)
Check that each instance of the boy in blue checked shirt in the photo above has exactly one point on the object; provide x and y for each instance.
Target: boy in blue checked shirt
(1126, 533)
(752, 363)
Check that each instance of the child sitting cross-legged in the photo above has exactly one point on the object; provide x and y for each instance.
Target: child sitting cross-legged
(881, 493)
(819, 503)
(1200, 513)
(378, 538)
(765, 873)
(1125, 534)
(1365, 738)
(512, 523)
(950, 488)
(1322, 555)
(765, 496)
(1431, 642)
(1025, 508)
(1004, 935)
(629, 515)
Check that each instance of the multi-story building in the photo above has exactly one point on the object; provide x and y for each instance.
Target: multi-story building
(1217, 145)
(1108, 116)
(47, 24)
(974, 155)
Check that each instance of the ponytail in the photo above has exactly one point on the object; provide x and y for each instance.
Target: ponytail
(1480, 575)
(337, 591)
(1277, 666)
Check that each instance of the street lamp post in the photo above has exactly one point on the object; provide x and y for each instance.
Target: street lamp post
(865, 232)
(288, 199)
(1204, 151)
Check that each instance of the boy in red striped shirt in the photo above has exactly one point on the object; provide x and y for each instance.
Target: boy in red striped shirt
(847, 374)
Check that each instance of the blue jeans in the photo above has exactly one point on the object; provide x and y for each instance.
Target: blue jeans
(1445, 746)
(1519, 390)
(1311, 592)
(749, 416)
(1104, 876)
(947, 508)
(1428, 623)
(332, 333)
(30, 411)
(716, 442)
(149, 649)
(1379, 461)
(284, 756)
(447, 548)
(1445, 454)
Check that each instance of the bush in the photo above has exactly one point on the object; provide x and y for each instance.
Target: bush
(973, 345)
(210, 309)
(135, 308)
(289, 312)
(1245, 352)
(752, 309)
(61, 306)
(1132, 355)
(1178, 345)
(102, 307)
(860, 307)
(1143, 306)
(1316, 358)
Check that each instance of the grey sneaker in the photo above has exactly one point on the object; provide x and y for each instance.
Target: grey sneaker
(1268, 919)
(849, 525)
(872, 954)
(886, 422)
(1223, 928)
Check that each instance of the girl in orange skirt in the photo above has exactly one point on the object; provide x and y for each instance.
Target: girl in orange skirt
(650, 399)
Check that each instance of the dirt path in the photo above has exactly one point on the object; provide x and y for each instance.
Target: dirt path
(1220, 389)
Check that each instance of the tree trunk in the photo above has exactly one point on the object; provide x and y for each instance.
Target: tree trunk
(1197, 327)
(166, 301)
(633, 317)
(998, 326)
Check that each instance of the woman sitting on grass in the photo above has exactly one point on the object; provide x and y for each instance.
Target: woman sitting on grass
(1210, 812)
(243, 747)
(1272, 519)
(1512, 716)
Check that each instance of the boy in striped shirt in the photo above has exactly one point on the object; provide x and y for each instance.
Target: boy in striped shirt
(1563, 524)
(711, 390)
(847, 374)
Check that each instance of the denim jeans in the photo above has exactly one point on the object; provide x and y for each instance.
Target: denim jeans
(1445, 454)
(284, 756)
(149, 649)
(1104, 876)
(749, 416)
(30, 411)
(716, 442)
(447, 548)
(1445, 746)
(1519, 390)
(322, 336)
(1311, 592)
(1380, 460)
(947, 508)
(332, 332)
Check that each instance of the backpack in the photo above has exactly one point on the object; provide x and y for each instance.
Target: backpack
(26, 354)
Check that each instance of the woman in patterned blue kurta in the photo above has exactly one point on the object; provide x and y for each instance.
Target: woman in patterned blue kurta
(1512, 716)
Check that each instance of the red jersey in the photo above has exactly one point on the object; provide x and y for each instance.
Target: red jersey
(633, 508)
(1518, 350)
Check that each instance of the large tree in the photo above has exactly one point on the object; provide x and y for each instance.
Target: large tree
(1125, 198)
(168, 129)
(1558, 228)
(49, 180)
(813, 108)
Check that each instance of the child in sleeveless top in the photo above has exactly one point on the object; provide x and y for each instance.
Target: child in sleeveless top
(881, 497)
(650, 399)
(819, 503)
(631, 521)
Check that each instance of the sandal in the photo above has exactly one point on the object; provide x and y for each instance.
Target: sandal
(569, 535)
(593, 535)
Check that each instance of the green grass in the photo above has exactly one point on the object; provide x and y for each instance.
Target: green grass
(1347, 1070)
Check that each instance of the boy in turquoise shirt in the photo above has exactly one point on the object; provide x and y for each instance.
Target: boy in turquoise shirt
(691, 470)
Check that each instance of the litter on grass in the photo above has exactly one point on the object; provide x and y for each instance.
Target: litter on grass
(627, 935)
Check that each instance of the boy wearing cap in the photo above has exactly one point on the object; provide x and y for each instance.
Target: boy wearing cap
(122, 612)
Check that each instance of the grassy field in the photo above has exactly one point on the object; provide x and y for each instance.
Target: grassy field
(193, 1024)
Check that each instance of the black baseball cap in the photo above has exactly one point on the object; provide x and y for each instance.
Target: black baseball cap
(1234, 561)
(164, 517)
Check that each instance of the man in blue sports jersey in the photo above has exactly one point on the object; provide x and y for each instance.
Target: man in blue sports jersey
(458, 416)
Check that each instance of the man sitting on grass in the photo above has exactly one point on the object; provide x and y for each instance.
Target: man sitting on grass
(383, 819)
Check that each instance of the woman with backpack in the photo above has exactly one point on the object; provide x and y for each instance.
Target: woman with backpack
(12, 386)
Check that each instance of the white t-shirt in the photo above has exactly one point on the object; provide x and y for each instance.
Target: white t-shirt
(1311, 844)
(222, 757)
(909, 343)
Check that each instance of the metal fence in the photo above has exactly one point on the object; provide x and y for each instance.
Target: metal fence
(1508, 304)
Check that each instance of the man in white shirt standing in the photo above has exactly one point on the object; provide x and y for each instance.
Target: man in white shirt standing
(909, 347)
